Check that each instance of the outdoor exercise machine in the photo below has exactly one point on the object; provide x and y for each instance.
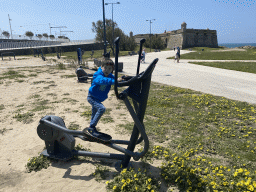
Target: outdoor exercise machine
(2, 54)
(60, 141)
(82, 76)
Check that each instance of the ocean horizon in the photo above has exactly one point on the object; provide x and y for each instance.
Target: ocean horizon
(233, 45)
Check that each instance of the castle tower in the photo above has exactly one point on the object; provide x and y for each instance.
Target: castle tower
(183, 26)
(183, 31)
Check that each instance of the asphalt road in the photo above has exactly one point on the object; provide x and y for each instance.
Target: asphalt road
(221, 82)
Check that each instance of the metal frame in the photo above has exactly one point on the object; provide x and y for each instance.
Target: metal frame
(138, 91)
(7, 53)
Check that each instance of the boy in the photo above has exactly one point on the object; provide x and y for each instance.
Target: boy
(98, 92)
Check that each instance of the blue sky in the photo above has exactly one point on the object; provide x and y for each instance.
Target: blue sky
(234, 20)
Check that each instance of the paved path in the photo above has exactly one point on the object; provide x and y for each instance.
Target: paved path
(227, 83)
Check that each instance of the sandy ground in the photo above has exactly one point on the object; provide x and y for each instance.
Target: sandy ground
(20, 141)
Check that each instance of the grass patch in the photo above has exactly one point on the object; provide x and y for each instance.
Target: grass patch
(73, 101)
(107, 119)
(26, 118)
(87, 114)
(2, 131)
(61, 66)
(38, 82)
(211, 138)
(32, 75)
(67, 76)
(207, 54)
(249, 67)
(11, 74)
(73, 126)
(36, 96)
(2, 107)
(41, 105)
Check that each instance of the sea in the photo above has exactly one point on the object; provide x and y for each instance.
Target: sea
(232, 45)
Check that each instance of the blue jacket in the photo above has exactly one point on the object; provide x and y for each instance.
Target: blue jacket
(101, 85)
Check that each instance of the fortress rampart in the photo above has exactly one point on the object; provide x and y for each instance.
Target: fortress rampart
(185, 38)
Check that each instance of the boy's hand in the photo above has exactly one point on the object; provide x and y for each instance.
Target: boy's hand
(120, 79)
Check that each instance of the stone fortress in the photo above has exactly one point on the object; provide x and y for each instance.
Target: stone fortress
(185, 38)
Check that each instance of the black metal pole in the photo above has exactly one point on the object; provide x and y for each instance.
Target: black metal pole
(138, 66)
(113, 32)
(104, 29)
(150, 34)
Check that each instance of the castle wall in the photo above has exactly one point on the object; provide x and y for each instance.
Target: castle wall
(175, 40)
(185, 38)
(200, 38)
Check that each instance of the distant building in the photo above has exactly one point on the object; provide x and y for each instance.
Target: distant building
(185, 38)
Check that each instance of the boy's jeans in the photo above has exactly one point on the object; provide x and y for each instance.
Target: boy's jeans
(97, 110)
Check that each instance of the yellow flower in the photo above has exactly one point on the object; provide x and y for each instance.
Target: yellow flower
(123, 180)
(128, 180)
(135, 175)
(107, 182)
(136, 188)
(149, 179)
(250, 187)
(247, 173)
(114, 187)
(149, 186)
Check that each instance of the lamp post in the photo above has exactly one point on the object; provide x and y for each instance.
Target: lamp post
(150, 21)
(66, 31)
(113, 24)
(104, 29)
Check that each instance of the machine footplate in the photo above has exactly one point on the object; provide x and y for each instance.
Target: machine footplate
(102, 138)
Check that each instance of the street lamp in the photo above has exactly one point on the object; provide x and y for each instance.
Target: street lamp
(150, 31)
(66, 31)
(104, 29)
(113, 22)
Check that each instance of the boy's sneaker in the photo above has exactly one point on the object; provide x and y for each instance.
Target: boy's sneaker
(93, 131)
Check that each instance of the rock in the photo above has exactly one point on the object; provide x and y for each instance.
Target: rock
(247, 47)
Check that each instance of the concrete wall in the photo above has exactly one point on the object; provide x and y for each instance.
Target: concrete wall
(52, 49)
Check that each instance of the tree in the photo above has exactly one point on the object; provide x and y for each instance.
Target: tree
(6, 34)
(156, 42)
(29, 34)
(39, 36)
(45, 35)
(124, 39)
(51, 37)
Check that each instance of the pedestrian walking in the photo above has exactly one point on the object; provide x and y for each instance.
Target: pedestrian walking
(143, 56)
